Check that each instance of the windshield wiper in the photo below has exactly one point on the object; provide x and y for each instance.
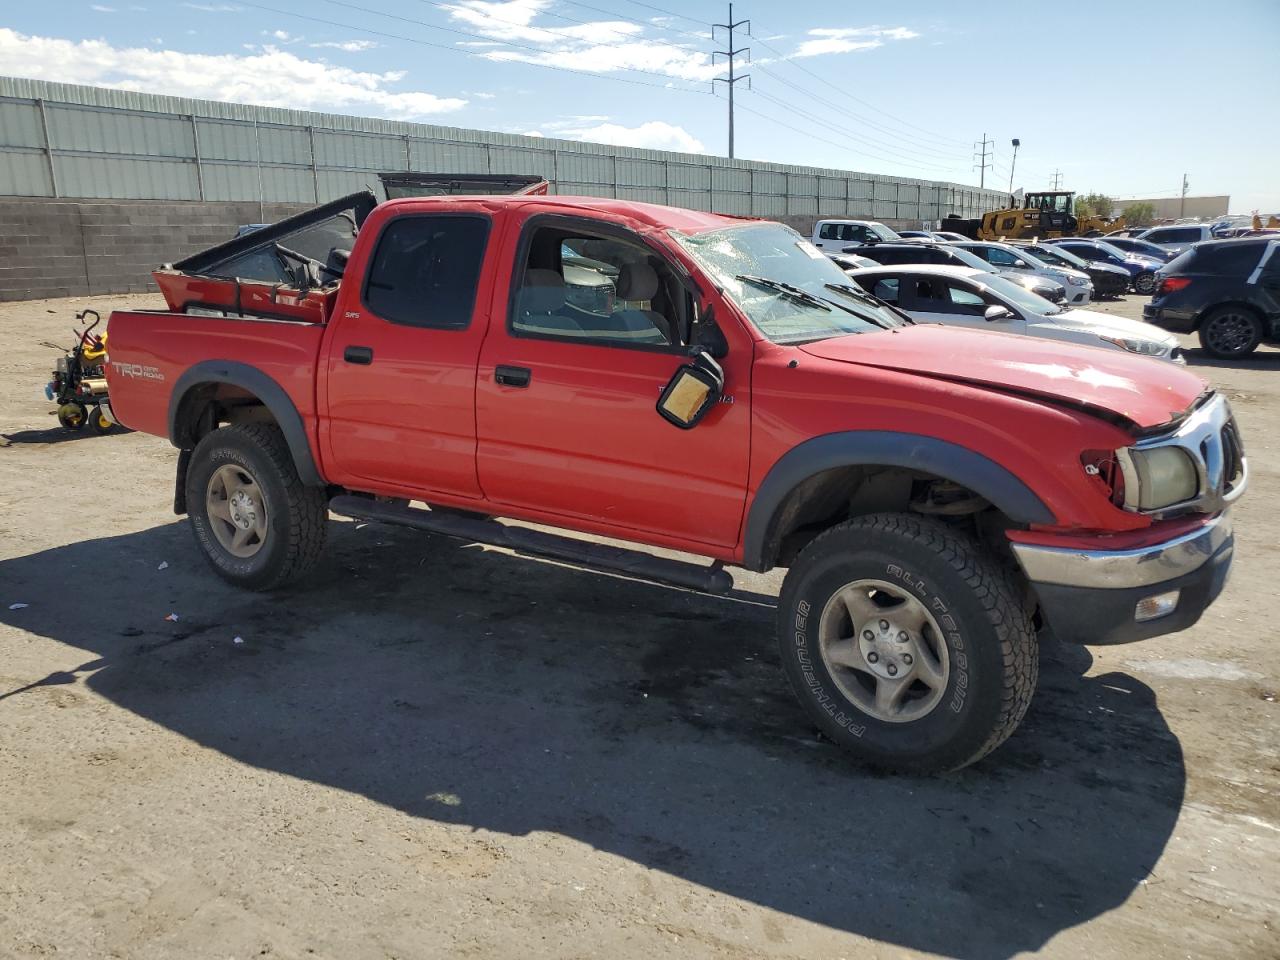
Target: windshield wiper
(857, 293)
(789, 291)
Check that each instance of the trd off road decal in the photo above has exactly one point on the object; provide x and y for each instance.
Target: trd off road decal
(137, 371)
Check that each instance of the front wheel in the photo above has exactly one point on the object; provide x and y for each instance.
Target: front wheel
(1145, 283)
(258, 525)
(906, 643)
(98, 422)
(1231, 332)
(73, 416)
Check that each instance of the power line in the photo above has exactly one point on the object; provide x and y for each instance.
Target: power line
(466, 53)
(731, 53)
(669, 13)
(823, 80)
(656, 26)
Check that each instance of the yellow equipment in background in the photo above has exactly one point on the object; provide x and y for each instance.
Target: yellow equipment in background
(1042, 215)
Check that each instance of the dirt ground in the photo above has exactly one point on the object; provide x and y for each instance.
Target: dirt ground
(433, 749)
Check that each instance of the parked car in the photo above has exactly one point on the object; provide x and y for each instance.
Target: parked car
(965, 297)
(1141, 248)
(1227, 291)
(1108, 281)
(1177, 237)
(951, 254)
(1007, 259)
(934, 493)
(851, 261)
(948, 235)
(1141, 270)
(1126, 232)
(918, 235)
(831, 235)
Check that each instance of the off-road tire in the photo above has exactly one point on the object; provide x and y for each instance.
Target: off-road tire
(985, 622)
(297, 515)
(76, 421)
(98, 423)
(1145, 283)
(1213, 344)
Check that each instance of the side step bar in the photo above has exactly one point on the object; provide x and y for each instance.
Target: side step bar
(599, 556)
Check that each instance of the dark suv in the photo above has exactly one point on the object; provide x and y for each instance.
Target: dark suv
(1226, 290)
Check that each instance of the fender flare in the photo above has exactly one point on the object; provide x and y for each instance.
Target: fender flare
(881, 448)
(272, 395)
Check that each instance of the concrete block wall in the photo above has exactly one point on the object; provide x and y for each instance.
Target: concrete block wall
(66, 248)
(63, 248)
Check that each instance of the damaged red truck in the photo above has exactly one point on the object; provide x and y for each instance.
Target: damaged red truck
(701, 383)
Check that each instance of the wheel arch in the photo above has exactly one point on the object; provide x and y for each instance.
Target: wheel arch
(1232, 302)
(813, 466)
(200, 387)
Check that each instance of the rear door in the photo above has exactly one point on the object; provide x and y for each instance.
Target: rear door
(398, 399)
(569, 381)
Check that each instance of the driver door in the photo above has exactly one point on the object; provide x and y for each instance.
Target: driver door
(568, 385)
(934, 299)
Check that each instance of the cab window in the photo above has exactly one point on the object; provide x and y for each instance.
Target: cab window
(425, 270)
(577, 285)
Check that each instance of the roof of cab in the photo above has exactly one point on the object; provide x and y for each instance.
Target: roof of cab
(649, 214)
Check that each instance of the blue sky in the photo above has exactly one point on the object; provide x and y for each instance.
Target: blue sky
(1120, 97)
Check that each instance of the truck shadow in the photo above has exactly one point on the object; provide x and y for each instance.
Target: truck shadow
(466, 686)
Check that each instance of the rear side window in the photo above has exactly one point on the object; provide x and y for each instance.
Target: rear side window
(827, 232)
(1181, 235)
(425, 270)
(1232, 259)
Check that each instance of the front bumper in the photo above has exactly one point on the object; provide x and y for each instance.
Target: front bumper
(1091, 596)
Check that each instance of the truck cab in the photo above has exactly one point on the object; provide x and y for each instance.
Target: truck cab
(832, 236)
(682, 380)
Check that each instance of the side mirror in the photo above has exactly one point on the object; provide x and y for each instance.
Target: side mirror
(692, 391)
(997, 312)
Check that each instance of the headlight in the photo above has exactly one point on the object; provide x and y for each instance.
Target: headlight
(1148, 348)
(1077, 281)
(1162, 476)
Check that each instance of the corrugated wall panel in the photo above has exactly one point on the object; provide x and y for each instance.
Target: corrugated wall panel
(359, 151)
(515, 160)
(764, 205)
(767, 181)
(97, 131)
(24, 174)
(640, 173)
(582, 168)
(690, 199)
(227, 140)
(643, 194)
(433, 156)
(290, 184)
(230, 181)
(729, 180)
(573, 188)
(122, 179)
(20, 125)
(339, 183)
(686, 176)
(736, 204)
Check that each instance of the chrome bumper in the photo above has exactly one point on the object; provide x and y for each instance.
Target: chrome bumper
(1122, 569)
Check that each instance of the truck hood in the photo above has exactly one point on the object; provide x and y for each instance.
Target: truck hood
(1145, 392)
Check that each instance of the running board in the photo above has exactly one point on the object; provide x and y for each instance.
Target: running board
(599, 556)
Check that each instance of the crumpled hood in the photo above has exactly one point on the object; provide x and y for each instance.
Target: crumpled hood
(1145, 391)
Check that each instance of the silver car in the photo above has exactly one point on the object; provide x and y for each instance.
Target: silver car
(1013, 262)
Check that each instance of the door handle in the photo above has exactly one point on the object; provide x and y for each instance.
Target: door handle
(361, 355)
(512, 376)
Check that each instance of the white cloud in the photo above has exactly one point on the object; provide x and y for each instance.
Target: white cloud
(214, 7)
(350, 46)
(849, 39)
(101, 9)
(653, 134)
(268, 76)
(600, 46)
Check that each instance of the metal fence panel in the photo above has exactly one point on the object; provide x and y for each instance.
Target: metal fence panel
(20, 125)
(359, 151)
(114, 178)
(687, 176)
(98, 131)
(25, 174)
(585, 169)
(640, 173)
(434, 156)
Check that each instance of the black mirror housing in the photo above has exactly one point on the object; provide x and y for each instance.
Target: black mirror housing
(692, 391)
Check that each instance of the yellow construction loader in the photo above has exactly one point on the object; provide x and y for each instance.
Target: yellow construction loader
(1041, 216)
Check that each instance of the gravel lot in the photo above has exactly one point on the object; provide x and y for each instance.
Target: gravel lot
(433, 749)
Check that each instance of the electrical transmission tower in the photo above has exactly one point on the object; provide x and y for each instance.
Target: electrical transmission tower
(731, 54)
(982, 166)
(1057, 179)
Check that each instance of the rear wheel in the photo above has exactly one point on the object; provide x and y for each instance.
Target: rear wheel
(1145, 283)
(1231, 332)
(258, 525)
(98, 423)
(906, 644)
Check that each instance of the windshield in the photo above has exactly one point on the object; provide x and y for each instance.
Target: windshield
(1062, 256)
(1019, 296)
(738, 258)
(1113, 250)
(883, 232)
(971, 259)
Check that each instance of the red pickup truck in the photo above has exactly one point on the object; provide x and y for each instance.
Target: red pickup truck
(698, 382)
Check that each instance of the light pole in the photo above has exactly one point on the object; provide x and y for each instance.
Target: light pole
(1016, 144)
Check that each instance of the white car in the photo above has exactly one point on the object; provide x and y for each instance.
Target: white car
(965, 297)
(834, 235)
(1010, 260)
(1178, 236)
